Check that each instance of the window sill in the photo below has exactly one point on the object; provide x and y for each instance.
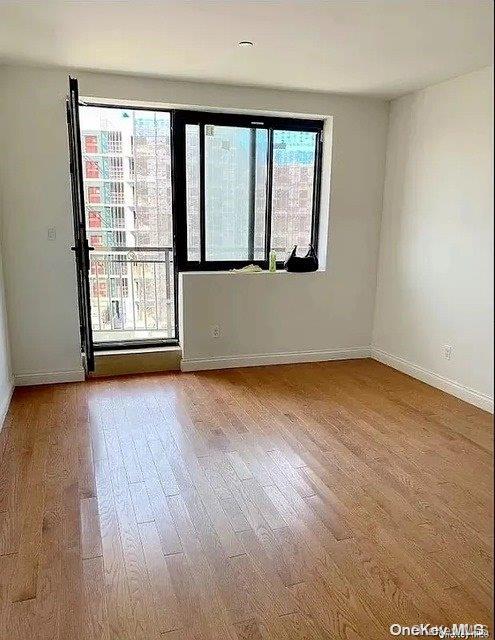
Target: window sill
(138, 351)
(279, 272)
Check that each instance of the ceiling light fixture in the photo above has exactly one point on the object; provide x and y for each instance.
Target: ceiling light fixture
(245, 43)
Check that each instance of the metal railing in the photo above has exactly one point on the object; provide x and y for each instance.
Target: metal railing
(132, 293)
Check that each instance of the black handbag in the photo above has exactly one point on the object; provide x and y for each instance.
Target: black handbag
(303, 264)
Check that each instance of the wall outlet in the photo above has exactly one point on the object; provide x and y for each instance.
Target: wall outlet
(447, 351)
(51, 233)
(215, 331)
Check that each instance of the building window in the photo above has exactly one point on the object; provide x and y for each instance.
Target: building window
(117, 217)
(92, 169)
(99, 289)
(96, 240)
(116, 169)
(90, 144)
(116, 239)
(94, 194)
(94, 219)
(116, 193)
(246, 185)
(114, 141)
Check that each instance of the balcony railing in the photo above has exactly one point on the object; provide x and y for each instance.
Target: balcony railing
(132, 294)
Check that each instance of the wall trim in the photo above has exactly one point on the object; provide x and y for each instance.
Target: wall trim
(4, 406)
(48, 377)
(260, 359)
(434, 379)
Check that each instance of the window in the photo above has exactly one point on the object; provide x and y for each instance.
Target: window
(94, 194)
(116, 193)
(293, 187)
(114, 141)
(92, 169)
(94, 219)
(116, 169)
(244, 185)
(117, 217)
(90, 144)
(95, 240)
(116, 239)
(99, 289)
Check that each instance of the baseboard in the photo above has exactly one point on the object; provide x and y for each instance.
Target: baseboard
(48, 377)
(257, 360)
(4, 406)
(434, 379)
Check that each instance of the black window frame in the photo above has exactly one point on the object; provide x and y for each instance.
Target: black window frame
(181, 118)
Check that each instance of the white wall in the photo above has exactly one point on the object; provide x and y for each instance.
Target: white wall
(435, 283)
(323, 312)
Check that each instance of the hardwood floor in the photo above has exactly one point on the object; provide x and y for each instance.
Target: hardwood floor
(293, 502)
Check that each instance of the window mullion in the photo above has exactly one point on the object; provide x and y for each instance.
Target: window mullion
(252, 192)
(316, 191)
(268, 207)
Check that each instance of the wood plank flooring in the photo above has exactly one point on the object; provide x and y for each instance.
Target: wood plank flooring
(319, 501)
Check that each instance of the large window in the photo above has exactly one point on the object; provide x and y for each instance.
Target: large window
(244, 185)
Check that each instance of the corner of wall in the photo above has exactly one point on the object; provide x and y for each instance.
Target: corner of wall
(382, 204)
(424, 286)
(6, 377)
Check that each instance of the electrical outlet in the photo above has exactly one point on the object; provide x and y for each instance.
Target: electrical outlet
(447, 351)
(215, 331)
(51, 233)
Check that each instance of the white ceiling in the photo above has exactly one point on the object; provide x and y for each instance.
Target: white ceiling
(376, 47)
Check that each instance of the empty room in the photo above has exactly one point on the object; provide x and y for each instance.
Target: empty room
(246, 319)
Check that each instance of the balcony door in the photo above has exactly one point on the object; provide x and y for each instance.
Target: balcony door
(125, 166)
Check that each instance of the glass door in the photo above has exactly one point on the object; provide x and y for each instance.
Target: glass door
(126, 175)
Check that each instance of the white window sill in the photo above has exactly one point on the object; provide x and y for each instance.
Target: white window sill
(279, 272)
(139, 350)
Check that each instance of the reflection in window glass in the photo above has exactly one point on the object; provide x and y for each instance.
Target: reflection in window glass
(260, 194)
(235, 173)
(192, 191)
(292, 189)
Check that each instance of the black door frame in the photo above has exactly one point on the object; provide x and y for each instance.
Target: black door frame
(81, 246)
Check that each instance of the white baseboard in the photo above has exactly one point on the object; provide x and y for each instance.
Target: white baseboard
(48, 377)
(434, 379)
(257, 360)
(5, 404)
